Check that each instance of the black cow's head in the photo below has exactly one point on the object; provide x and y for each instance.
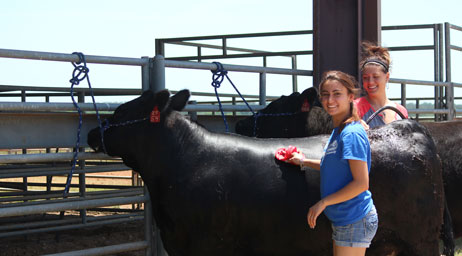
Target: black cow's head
(136, 122)
(296, 115)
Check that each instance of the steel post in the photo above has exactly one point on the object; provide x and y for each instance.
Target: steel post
(145, 74)
(148, 222)
(262, 89)
(157, 81)
(450, 88)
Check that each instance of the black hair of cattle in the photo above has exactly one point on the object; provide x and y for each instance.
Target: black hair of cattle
(446, 135)
(226, 194)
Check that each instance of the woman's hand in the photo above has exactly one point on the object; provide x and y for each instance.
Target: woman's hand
(314, 212)
(296, 158)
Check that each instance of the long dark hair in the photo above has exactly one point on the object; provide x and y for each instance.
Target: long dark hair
(350, 84)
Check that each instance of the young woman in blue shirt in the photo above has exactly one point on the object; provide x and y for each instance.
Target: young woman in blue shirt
(345, 196)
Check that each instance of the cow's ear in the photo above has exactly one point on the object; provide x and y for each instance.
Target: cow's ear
(311, 94)
(179, 100)
(161, 99)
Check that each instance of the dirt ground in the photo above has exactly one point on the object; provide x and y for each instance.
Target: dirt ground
(70, 240)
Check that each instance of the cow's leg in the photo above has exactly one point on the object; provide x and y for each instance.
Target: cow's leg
(446, 232)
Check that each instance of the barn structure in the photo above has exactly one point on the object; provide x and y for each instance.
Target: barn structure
(38, 139)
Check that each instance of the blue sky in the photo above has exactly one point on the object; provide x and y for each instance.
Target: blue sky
(129, 29)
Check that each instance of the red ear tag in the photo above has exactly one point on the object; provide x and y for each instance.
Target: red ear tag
(155, 115)
(306, 106)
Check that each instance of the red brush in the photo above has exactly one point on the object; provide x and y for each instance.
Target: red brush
(284, 154)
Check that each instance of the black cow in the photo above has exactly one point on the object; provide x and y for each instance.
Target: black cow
(226, 194)
(448, 141)
(446, 135)
(292, 111)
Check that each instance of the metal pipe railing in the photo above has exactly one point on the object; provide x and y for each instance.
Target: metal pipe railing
(64, 57)
(71, 205)
(106, 250)
(51, 157)
(239, 68)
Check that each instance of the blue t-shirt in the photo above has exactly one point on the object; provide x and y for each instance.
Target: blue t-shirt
(351, 143)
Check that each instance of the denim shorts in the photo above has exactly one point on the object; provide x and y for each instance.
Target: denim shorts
(358, 234)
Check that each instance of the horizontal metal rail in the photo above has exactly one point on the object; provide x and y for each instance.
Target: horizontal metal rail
(264, 34)
(455, 27)
(49, 170)
(211, 46)
(48, 220)
(39, 106)
(45, 195)
(422, 82)
(73, 205)
(96, 91)
(403, 27)
(55, 107)
(64, 57)
(428, 111)
(70, 227)
(108, 91)
(244, 55)
(106, 250)
(51, 157)
(239, 68)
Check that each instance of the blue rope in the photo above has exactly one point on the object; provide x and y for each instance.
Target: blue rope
(78, 75)
(217, 78)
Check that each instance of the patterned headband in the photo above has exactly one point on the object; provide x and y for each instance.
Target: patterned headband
(376, 61)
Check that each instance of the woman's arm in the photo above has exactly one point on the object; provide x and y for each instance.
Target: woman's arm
(359, 184)
(298, 159)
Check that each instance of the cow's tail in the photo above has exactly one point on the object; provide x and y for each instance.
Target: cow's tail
(446, 232)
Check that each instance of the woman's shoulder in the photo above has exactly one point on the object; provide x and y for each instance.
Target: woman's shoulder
(362, 105)
(362, 101)
(354, 128)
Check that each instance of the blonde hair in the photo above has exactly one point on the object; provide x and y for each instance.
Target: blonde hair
(374, 54)
(349, 82)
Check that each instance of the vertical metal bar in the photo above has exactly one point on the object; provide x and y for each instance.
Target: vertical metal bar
(193, 114)
(417, 105)
(157, 80)
(262, 99)
(82, 176)
(148, 222)
(436, 69)
(49, 178)
(441, 65)
(199, 54)
(160, 47)
(24, 150)
(450, 88)
(233, 100)
(224, 46)
(145, 75)
(403, 94)
(294, 77)
(262, 96)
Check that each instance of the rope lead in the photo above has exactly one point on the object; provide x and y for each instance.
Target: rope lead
(217, 78)
(79, 74)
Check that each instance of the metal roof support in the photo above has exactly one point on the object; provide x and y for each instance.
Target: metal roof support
(339, 26)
